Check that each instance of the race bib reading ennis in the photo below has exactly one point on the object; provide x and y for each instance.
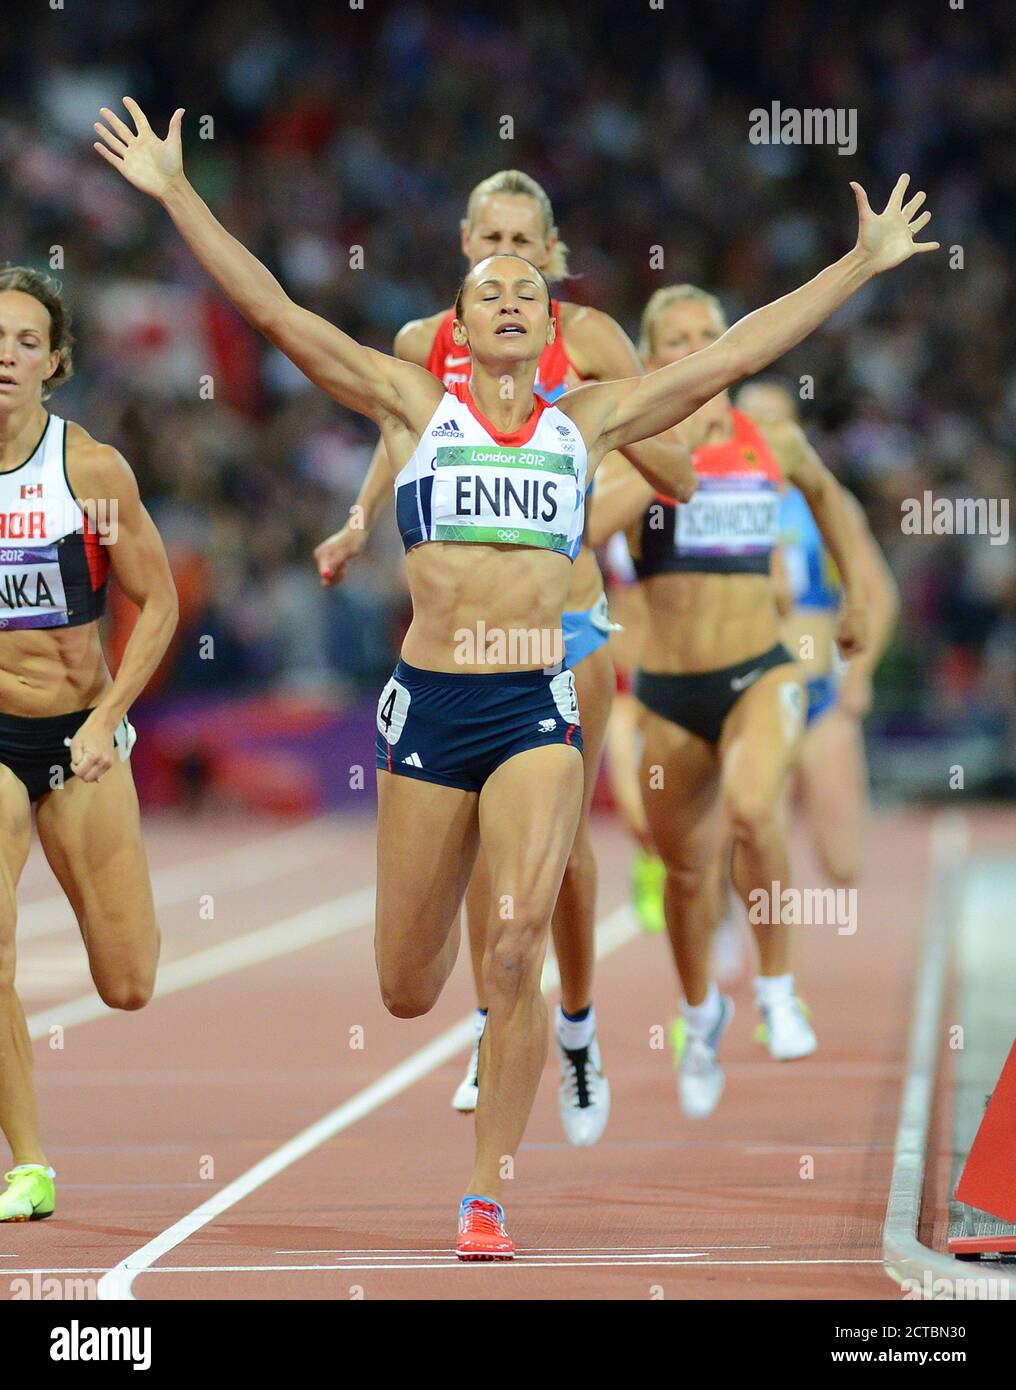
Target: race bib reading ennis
(31, 587)
(465, 483)
(728, 516)
(502, 495)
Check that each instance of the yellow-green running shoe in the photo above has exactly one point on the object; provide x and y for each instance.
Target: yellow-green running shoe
(30, 1194)
(647, 879)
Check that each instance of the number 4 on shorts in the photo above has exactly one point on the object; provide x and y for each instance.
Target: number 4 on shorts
(392, 709)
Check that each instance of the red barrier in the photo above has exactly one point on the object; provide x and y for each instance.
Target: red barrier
(988, 1180)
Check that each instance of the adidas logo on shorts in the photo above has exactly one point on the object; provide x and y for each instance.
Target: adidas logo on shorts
(547, 726)
(413, 760)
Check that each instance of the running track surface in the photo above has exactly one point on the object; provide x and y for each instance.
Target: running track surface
(269, 1019)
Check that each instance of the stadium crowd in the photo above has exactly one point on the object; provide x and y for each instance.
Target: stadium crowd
(318, 132)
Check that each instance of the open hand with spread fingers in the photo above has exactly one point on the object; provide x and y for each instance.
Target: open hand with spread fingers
(886, 239)
(150, 164)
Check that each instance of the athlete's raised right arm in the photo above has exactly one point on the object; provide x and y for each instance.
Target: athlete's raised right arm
(359, 377)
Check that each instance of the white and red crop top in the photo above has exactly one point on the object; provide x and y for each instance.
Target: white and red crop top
(467, 481)
(53, 566)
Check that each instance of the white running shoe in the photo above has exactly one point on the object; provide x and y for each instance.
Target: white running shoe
(584, 1094)
(786, 1031)
(464, 1099)
(700, 1078)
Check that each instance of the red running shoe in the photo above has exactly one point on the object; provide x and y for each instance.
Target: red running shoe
(482, 1235)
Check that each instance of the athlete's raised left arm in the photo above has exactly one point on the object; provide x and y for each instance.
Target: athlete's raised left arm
(613, 414)
(601, 350)
(803, 468)
(138, 560)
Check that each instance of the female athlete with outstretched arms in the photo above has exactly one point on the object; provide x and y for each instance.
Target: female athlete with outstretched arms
(509, 211)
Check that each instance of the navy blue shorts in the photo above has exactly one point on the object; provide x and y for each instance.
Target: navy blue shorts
(456, 728)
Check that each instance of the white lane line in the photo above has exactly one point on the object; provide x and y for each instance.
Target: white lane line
(544, 1257)
(448, 1257)
(334, 918)
(449, 1262)
(245, 867)
(613, 932)
(525, 1262)
(530, 1250)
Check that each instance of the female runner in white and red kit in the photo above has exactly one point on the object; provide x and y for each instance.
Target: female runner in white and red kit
(509, 211)
(70, 516)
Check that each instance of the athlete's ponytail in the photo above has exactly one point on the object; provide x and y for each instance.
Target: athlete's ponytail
(47, 292)
(515, 182)
(662, 299)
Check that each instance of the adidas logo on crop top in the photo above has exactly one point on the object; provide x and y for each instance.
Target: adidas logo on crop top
(467, 481)
(731, 524)
(53, 568)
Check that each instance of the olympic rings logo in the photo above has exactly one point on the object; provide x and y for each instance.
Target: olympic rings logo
(508, 536)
